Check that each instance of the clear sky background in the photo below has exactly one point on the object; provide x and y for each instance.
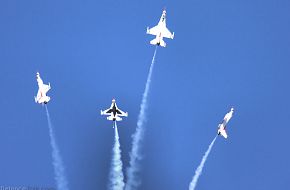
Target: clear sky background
(225, 53)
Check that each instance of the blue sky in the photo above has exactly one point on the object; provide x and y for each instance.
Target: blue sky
(225, 53)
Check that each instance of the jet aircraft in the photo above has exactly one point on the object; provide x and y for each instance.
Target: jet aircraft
(114, 113)
(41, 96)
(223, 124)
(160, 31)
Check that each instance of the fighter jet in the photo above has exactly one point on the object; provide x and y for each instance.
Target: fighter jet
(114, 112)
(222, 125)
(160, 31)
(41, 97)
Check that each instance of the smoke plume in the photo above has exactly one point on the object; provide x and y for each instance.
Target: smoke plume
(135, 155)
(198, 171)
(116, 173)
(59, 173)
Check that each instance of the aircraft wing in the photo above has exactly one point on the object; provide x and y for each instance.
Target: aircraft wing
(167, 34)
(121, 113)
(39, 81)
(107, 111)
(45, 88)
(153, 31)
(224, 134)
(224, 123)
(226, 120)
(38, 96)
(228, 116)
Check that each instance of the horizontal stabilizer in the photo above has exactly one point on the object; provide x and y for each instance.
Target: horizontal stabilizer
(162, 43)
(159, 43)
(118, 118)
(111, 118)
(154, 42)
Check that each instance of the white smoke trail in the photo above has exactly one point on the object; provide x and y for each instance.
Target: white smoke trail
(135, 155)
(116, 173)
(60, 178)
(198, 171)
